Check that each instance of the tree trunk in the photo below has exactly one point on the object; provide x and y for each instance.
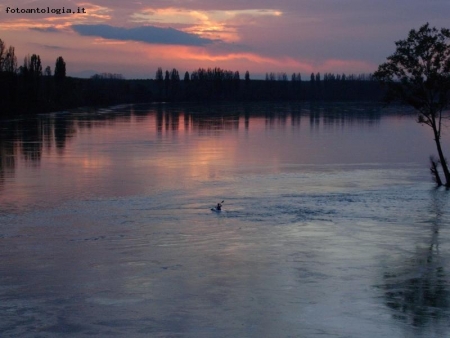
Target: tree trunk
(435, 172)
(441, 157)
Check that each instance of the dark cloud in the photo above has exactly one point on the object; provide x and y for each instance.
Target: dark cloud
(46, 30)
(148, 34)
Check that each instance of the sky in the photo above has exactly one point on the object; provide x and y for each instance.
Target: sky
(134, 38)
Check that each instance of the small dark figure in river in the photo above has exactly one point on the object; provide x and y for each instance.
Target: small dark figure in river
(219, 206)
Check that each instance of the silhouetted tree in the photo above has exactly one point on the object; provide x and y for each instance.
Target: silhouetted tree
(282, 76)
(186, 86)
(10, 64)
(166, 84)
(159, 78)
(236, 83)
(48, 71)
(174, 75)
(60, 75)
(48, 85)
(159, 74)
(2, 54)
(8, 78)
(174, 84)
(418, 73)
(31, 72)
(35, 65)
(60, 68)
(312, 87)
(318, 86)
(8, 60)
(296, 85)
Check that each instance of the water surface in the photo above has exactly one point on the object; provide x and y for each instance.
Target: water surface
(331, 226)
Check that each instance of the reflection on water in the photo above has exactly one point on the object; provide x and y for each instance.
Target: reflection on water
(329, 228)
(72, 152)
(417, 290)
(29, 138)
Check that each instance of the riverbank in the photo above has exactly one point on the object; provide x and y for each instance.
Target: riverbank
(24, 96)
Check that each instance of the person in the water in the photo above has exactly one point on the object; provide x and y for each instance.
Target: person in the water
(219, 206)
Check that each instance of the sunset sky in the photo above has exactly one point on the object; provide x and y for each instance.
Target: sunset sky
(133, 38)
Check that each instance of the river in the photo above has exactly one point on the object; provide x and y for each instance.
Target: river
(331, 226)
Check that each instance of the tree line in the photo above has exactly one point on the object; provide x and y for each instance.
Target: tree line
(30, 88)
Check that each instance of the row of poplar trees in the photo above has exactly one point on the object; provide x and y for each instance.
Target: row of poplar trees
(29, 87)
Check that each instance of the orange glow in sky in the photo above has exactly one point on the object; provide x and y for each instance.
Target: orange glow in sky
(289, 36)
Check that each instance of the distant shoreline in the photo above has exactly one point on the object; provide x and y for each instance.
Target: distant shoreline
(47, 94)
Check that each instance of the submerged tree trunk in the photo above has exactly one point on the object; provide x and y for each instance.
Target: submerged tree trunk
(435, 172)
(437, 139)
